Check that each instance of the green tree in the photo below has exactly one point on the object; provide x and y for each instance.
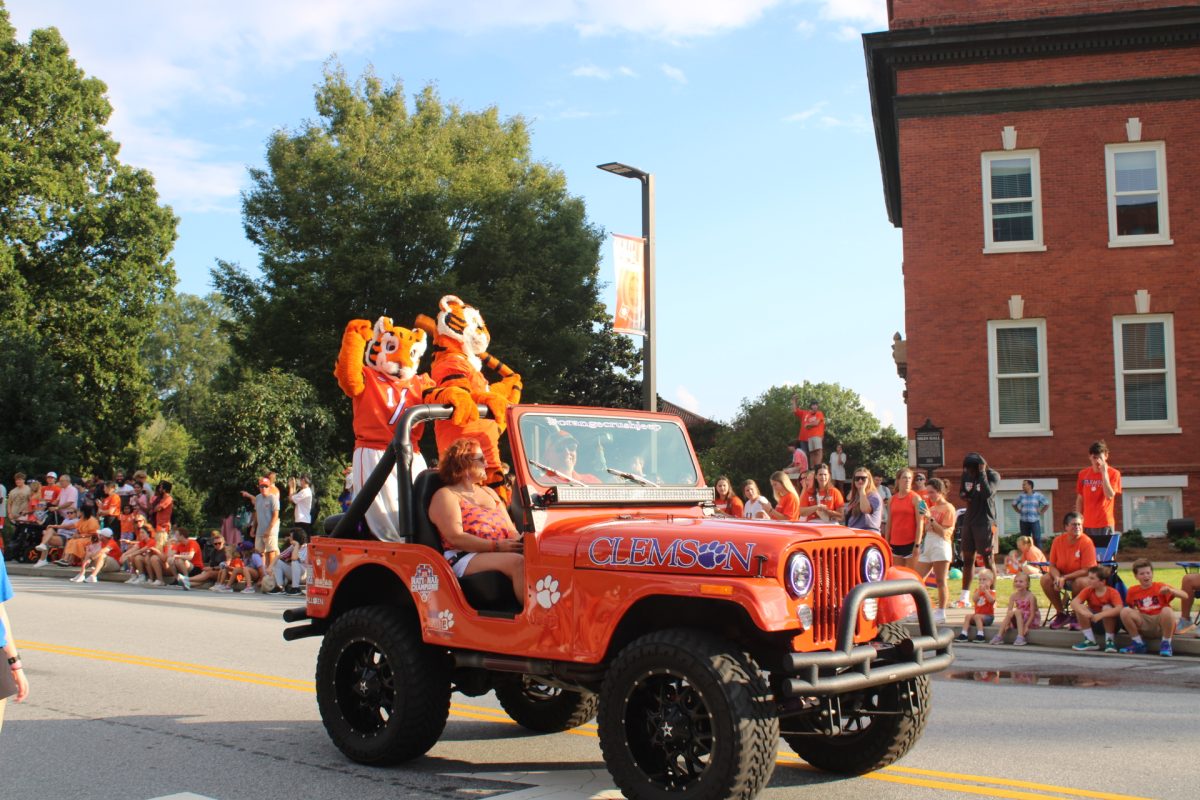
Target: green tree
(378, 207)
(270, 421)
(755, 443)
(185, 352)
(84, 250)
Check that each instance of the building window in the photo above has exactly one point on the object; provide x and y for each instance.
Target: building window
(1144, 347)
(1137, 194)
(1010, 520)
(1149, 508)
(1012, 202)
(1017, 373)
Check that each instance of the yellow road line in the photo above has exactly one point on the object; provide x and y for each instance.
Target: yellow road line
(893, 774)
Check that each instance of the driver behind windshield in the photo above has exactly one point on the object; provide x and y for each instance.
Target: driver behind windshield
(561, 454)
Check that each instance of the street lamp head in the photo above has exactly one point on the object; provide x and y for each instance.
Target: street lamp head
(624, 170)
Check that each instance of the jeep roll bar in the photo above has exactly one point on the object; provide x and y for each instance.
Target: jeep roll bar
(397, 455)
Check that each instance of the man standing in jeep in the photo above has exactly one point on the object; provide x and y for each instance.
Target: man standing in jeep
(977, 487)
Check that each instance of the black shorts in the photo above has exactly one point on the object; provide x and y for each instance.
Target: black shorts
(977, 542)
(903, 550)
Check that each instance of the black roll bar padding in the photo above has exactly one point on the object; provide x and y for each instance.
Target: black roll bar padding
(398, 456)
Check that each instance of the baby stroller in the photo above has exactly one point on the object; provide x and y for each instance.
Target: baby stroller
(22, 546)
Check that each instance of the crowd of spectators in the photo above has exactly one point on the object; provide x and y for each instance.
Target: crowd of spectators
(125, 525)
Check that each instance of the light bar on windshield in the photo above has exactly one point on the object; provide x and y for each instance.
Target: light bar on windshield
(626, 495)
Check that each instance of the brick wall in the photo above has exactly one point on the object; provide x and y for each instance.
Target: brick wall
(1078, 284)
(923, 13)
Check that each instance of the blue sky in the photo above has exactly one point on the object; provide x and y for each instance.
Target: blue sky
(776, 262)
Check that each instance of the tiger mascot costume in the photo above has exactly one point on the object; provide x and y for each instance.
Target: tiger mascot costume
(377, 369)
(461, 340)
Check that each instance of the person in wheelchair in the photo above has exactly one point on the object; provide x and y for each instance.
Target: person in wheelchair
(477, 533)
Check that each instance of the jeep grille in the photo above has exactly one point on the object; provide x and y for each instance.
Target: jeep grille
(838, 570)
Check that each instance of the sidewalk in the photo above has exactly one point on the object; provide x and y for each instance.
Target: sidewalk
(1184, 645)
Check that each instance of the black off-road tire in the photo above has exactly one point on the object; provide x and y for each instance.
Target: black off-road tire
(383, 694)
(543, 708)
(685, 714)
(883, 740)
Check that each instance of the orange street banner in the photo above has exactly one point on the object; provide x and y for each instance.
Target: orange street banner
(630, 316)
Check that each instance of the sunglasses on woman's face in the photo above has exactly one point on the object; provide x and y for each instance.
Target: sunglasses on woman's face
(858, 478)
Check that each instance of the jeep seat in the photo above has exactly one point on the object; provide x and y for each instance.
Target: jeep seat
(486, 591)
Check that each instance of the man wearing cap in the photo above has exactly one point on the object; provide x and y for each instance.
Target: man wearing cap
(266, 509)
(103, 555)
(47, 500)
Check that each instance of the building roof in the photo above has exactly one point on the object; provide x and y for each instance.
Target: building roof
(689, 418)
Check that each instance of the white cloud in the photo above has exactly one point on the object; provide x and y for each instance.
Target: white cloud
(806, 114)
(816, 115)
(847, 33)
(868, 13)
(602, 73)
(686, 399)
(805, 28)
(674, 73)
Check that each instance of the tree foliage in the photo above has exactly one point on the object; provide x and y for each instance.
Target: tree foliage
(271, 421)
(84, 250)
(185, 352)
(755, 443)
(378, 207)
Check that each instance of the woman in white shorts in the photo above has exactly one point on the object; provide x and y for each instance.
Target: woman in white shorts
(936, 552)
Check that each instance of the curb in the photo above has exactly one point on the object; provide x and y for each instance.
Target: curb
(1184, 645)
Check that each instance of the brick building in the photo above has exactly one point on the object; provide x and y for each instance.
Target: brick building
(1043, 159)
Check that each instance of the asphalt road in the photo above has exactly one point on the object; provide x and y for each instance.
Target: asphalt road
(140, 693)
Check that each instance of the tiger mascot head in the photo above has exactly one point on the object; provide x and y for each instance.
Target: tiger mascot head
(393, 350)
(463, 324)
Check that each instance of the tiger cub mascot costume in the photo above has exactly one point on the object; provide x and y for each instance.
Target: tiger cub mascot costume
(461, 340)
(377, 369)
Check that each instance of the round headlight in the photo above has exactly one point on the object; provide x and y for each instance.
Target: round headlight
(799, 575)
(873, 565)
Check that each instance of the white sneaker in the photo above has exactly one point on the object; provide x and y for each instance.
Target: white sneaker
(184, 582)
(939, 616)
(77, 579)
(91, 579)
(41, 548)
(222, 587)
(156, 584)
(42, 563)
(137, 578)
(249, 590)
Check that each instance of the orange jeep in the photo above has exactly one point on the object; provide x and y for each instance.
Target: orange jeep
(697, 640)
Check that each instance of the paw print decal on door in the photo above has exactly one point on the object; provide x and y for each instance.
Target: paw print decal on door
(546, 592)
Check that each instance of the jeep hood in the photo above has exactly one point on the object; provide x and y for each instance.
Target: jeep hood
(720, 546)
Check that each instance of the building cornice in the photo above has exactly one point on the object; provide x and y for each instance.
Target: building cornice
(1045, 37)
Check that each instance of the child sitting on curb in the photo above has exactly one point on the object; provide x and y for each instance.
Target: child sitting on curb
(983, 603)
(1022, 611)
(1098, 603)
(1148, 610)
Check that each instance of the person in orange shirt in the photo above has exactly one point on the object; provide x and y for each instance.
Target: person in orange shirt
(822, 501)
(906, 520)
(102, 555)
(727, 503)
(1096, 491)
(1148, 610)
(162, 506)
(1098, 603)
(85, 534)
(1071, 555)
(812, 428)
(108, 505)
(787, 501)
(184, 560)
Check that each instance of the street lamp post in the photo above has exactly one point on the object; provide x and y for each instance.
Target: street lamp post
(649, 385)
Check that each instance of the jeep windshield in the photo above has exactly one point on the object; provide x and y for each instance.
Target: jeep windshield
(591, 449)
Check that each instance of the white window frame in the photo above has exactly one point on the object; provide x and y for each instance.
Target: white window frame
(1170, 486)
(1042, 427)
(1164, 218)
(1138, 427)
(1035, 245)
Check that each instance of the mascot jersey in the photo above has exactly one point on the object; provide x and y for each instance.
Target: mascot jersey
(379, 405)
